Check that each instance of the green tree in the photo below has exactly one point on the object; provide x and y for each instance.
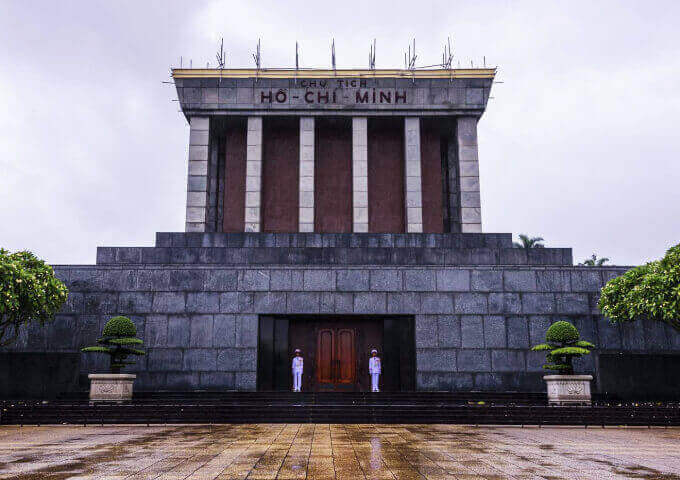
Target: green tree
(563, 344)
(119, 341)
(526, 241)
(29, 291)
(649, 291)
(594, 261)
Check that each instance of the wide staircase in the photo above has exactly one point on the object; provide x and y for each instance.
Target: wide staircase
(475, 408)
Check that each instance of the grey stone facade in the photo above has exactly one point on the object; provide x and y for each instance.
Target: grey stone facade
(474, 323)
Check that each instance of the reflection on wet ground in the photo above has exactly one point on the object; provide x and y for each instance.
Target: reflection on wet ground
(337, 452)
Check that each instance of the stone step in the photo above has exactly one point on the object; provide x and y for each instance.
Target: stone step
(309, 256)
(344, 240)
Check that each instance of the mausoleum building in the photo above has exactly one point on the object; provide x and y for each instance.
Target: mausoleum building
(336, 211)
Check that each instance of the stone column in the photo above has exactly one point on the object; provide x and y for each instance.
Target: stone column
(306, 217)
(412, 175)
(359, 174)
(468, 172)
(197, 183)
(253, 174)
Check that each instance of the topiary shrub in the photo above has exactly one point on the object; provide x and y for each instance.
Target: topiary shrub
(117, 341)
(563, 345)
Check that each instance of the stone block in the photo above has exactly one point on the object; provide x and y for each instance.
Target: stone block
(203, 302)
(535, 361)
(85, 280)
(201, 331)
(403, 303)
(436, 360)
(448, 331)
(470, 303)
(247, 359)
(572, 303)
(168, 302)
(655, 337)
(245, 381)
(221, 280)
(156, 331)
(420, 280)
(179, 331)
(343, 302)
(217, 380)
(538, 327)
(474, 360)
(507, 361)
(100, 303)
(246, 331)
(487, 280)
(319, 280)
(386, 280)
(186, 279)
(134, 302)
(236, 302)
(517, 332)
(182, 381)
(494, 332)
(586, 279)
(200, 359)
(228, 359)
(164, 359)
(224, 331)
(257, 280)
(505, 303)
(370, 302)
(519, 280)
(609, 335)
(553, 280)
(453, 280)
(632, 336)
(426, 331)
(538, 303)
(431, 302)
(472, 331)
(303, 302)
(352, 280)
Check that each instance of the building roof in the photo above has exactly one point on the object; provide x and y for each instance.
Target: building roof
(329, 73)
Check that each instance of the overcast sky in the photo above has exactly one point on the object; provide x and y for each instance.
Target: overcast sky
(579, 143)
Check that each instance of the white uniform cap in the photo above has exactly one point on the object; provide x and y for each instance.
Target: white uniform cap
(374, 351)
(297, 350)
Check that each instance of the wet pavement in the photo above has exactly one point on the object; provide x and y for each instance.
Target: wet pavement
(314, 452)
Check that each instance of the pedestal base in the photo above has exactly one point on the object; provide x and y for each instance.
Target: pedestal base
(111, 387)
(568, 389)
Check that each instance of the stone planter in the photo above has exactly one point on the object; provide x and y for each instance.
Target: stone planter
(568, 389)
(111, 387)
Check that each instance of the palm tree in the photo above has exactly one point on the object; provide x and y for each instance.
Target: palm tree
(593, 261)
(526, 241)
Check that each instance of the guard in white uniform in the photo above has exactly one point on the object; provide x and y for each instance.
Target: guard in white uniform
(297, 370)
(374, 369)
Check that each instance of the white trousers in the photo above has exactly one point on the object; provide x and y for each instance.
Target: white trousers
(297, 381)
(374, 382)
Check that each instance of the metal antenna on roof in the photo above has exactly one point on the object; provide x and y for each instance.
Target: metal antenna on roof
(297, 57)
(180, 61)
(258, 60)
(371, 57)
(221, 58)
(447, 56)
(333, 54)
(410, 61)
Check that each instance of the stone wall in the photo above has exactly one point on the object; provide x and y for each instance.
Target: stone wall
(474, 324)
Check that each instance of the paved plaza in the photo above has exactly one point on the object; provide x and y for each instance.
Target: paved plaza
(337, 452)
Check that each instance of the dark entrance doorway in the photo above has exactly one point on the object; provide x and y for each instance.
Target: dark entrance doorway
(336, 350)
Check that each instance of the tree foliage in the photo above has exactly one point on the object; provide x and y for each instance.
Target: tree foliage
(594, 261)
(117, 341)
(563, 344)
(29, 291)
(526, 241)
(649, 291)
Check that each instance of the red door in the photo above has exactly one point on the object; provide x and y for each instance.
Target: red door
(336, 358)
